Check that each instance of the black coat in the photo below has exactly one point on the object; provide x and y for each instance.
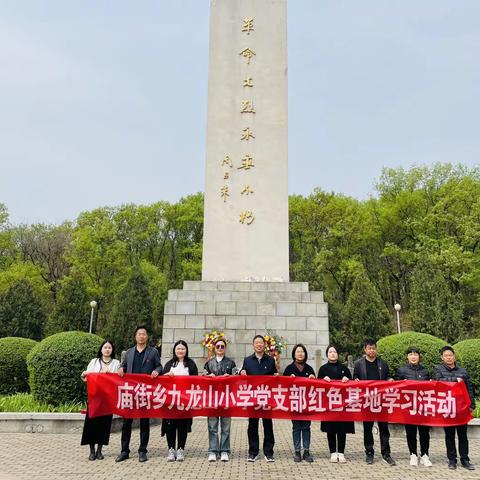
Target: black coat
(360, 369)
(151, 361)
(336, 371)
(412, 372)
(447, 374)
(293, 370)
(192, 370)
(224, 366)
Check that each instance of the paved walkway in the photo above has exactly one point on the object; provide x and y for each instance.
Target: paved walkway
(37, 456)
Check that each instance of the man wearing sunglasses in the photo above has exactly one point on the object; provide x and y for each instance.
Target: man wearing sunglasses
(219, 365)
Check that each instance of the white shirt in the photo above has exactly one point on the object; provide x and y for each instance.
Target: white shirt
(180, 370)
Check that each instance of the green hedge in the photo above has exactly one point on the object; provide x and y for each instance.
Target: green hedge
(56, 363)
(13, 364)
(392, 349)
(468, 356)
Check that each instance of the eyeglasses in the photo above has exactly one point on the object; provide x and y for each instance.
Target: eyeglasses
(220, 347)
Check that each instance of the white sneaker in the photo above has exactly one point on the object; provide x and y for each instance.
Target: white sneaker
(171, 455)
(413, 460)
(341, 458)
(180, 455)
(224, 457)
(425, 461)
(333, 458)
(212, 457)
(269, 459)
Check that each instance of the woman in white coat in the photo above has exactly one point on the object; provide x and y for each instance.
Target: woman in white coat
(96, 431)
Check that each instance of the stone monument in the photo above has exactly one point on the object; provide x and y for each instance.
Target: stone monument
(245, 286)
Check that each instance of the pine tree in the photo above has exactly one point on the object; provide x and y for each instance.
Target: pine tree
(72, 310)
(21, 312)
(435, 308)
(365, 314)
(132, 307)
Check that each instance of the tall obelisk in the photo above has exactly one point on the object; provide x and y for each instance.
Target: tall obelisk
(246, 192)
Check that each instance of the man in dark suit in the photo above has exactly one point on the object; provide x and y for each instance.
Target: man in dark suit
(139, 359)
(259, 364)
(370, 367)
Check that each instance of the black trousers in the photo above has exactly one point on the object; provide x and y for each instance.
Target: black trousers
(127, 433)
(336, 442)
(177, 428)
(384, 438)
(423, 433)
(462, 442)
(254, 441)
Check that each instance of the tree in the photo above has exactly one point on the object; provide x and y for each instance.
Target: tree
(132, 307)
(436, 309)
(365, 314)
(21, 312)
(72, 309)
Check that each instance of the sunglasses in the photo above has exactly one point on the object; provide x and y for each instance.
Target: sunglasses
(220, 347)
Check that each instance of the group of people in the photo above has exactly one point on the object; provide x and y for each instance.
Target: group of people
(143, 359)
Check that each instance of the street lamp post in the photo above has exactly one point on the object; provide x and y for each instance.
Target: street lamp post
(397, 308)
(93, 306)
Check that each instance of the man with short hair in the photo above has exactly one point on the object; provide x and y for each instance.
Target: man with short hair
(139, 359)
(219, 365)
(259, 364)
(371, 367)
(449, 371)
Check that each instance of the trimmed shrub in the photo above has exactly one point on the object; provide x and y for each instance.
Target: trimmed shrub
(55, 366)
(468, 356)
(13, 364)
(393, 349)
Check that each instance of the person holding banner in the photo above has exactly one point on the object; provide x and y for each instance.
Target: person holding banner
(139, 359)
(336, 431)
(300, 428)
(219, 365)
(177, 430)
(413, 370)
(96, 430)
(371, 367)
(449, 371)
(259, 364)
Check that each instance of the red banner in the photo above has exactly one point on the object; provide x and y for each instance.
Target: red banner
(420, 403)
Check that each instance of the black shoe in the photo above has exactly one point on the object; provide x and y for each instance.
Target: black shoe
(123, 456)
(307, 457)
(92, 456)
(388, 460)
(452, 465)
(369, 459)
(142, 456)
(298, 457)
(99, 455)
(466, 464)
(252, 458)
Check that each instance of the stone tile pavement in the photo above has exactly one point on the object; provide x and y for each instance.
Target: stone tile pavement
(37, 456)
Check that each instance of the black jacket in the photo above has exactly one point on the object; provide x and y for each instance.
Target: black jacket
(225, 365)
(335, 371)
(151, 361)
(412, 372)
(360, 369)
(447, 374)
(266, 366)
(293, 370)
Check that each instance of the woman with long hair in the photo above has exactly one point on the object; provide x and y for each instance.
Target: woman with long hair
(177, 430)
(96, 431)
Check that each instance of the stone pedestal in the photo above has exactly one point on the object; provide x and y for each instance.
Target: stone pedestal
(241, 310)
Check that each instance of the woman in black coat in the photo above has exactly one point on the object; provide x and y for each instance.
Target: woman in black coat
(177, 430)
(300, 428)
(413, 370)
(336, 431)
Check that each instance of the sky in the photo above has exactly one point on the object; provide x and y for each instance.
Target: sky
(105, 102)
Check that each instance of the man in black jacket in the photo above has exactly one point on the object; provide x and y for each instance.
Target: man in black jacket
(259, 364)
(370, 367)
(139, 359)
(449, 371)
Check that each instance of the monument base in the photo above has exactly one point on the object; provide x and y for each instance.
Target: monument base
(241, 310)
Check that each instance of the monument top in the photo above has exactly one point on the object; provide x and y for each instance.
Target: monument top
(246, 191)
